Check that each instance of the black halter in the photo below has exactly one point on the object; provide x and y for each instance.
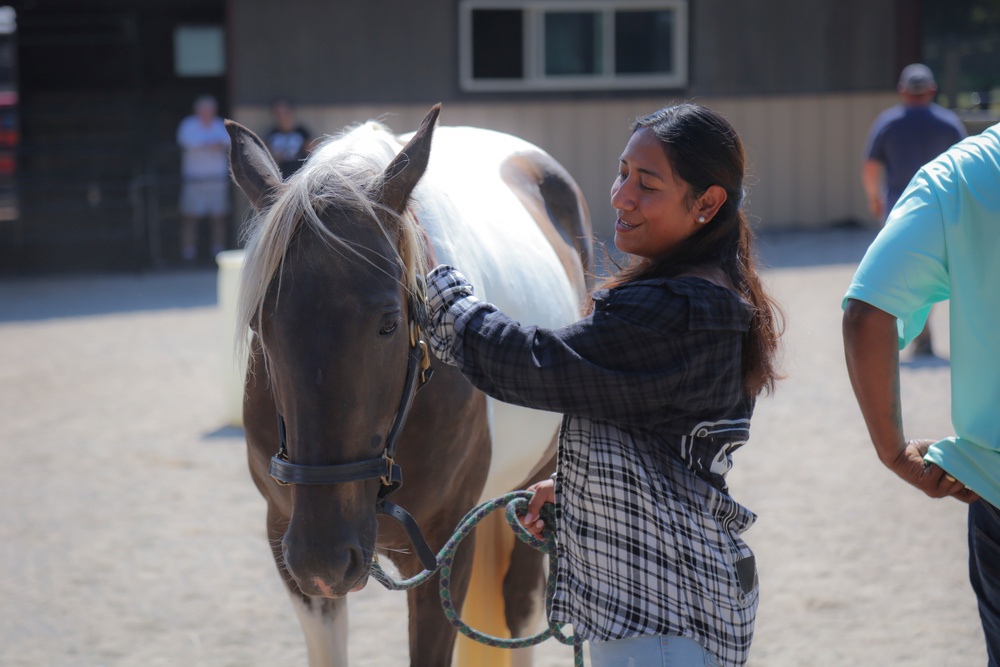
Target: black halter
(384, 468)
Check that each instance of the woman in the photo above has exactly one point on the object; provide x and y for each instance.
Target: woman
(657, 385)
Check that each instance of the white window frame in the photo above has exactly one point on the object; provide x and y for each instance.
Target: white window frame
(535, 78)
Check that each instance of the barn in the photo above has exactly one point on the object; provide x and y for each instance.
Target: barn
(98, 87)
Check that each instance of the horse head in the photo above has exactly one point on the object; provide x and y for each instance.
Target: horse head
(330, 265)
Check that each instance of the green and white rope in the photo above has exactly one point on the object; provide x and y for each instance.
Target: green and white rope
(515, 503)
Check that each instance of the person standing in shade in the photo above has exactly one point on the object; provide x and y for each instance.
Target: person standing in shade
(657, 385)
(941, 241)
(288, 141)
(204, 146)
(901, 140)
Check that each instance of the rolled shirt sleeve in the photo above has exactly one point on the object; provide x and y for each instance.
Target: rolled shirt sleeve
(904, 272)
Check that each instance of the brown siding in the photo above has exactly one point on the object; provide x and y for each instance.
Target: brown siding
(757, 47)
(339, 52)
(393, 52)
(804, 151)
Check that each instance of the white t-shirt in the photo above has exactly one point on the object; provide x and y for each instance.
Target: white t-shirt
(205, 149)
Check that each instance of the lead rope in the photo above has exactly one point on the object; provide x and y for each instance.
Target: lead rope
(515, 503)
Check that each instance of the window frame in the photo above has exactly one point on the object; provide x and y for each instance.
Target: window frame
(533, 54)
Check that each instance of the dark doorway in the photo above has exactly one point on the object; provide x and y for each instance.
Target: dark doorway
(961, 43)
(100, 96)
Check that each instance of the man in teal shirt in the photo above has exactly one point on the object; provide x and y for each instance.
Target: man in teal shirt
(941, 241)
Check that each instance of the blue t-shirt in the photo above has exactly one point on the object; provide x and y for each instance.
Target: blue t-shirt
(942, 241)
(905, 138)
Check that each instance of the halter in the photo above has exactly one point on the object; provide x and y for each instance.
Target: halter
(383, 468)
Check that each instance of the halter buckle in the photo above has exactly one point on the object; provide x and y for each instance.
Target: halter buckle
(425, 362)
(414, 334)
(389, 463)
(282, 453)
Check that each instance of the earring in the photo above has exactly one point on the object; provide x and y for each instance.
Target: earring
(701, 218)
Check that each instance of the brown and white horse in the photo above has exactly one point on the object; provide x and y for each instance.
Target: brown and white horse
(333, 258)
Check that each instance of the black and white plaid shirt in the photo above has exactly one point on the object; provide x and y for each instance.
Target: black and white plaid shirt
(650, 386)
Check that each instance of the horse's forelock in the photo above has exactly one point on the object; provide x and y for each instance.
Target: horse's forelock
(344, 171)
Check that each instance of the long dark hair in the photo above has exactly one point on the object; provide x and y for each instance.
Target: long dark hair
(704, 150)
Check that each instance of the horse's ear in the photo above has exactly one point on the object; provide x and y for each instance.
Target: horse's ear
(254, 170)
(402, 175)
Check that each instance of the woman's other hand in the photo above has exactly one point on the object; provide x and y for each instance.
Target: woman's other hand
(544, 492)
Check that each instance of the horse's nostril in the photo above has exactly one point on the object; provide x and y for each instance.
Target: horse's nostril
(330, 571)
(355, 560)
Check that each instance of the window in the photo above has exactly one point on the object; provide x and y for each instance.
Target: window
(512, 45)
(199, 51)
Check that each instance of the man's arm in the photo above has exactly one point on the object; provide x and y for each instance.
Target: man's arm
(872, 351)
(871, 178)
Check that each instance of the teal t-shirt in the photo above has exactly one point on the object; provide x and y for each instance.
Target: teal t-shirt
(942, 241)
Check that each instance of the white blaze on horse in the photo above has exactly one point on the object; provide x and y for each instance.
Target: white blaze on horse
(332, 271)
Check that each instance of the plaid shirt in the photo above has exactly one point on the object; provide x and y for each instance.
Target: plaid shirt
(650, 386)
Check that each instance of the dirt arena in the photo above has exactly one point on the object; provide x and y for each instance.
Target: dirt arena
(132, 534)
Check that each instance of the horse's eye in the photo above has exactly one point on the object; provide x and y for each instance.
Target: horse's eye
(388, 326)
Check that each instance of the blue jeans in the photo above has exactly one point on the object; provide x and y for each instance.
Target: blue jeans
(651, 651)
(984, 571)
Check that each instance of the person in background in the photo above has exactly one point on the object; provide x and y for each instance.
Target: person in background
(204, 146)
(288, 141)
(657, 385)
(901, 140)
(941, 241)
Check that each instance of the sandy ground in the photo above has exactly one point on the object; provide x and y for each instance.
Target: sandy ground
(132, 534)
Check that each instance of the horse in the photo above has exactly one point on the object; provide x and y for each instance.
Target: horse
(328, 310)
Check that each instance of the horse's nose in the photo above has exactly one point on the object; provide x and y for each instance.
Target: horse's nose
(331, 572)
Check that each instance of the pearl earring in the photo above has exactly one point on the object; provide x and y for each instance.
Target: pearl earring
(701, 218)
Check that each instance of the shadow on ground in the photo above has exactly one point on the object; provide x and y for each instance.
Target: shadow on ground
(30, 299)
(923, 361)
(224, 433)
(842, 244)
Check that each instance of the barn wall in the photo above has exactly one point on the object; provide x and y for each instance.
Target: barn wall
(337, 52)
(804, 150)
(387, 51)
(760, 47)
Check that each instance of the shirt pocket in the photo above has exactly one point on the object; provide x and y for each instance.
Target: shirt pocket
(741, 586)
(744, 580)
(744, 584)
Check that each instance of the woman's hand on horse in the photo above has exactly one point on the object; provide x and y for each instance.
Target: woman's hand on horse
(544, 492)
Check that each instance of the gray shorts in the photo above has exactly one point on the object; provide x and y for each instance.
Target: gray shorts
(201, 198)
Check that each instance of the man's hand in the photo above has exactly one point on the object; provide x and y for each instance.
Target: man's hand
(877, 207)
(929, 478)
(871, 178)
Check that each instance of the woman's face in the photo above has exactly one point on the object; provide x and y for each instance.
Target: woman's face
(652, 203)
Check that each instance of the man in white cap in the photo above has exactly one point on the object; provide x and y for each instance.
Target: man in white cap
(902, 140)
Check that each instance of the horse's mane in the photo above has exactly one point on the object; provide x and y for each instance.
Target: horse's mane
(345, 172)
